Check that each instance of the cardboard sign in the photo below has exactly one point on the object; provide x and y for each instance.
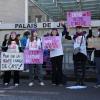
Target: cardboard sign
(90, 42)
(97, 43)
(81, 18)
(51, 42)
(12, 61)
(33, 56)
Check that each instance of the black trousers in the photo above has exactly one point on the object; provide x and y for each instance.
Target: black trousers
(57, 69)
(7, 77)
(79, 67)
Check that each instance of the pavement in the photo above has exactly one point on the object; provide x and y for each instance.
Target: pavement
(48, 92)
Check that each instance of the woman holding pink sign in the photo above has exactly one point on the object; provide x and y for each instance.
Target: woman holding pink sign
(56, 55)
(34, 44)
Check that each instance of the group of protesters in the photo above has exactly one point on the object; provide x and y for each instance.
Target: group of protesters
(13, 44)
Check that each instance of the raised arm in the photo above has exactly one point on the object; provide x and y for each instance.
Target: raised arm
(66, 33)
(90, 33)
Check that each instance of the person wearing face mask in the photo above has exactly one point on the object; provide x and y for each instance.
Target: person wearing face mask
(79, 54)
(34, 43)
(12, 47)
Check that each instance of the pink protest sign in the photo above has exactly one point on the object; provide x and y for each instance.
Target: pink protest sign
(33, 56)
(81, 18)
(51, 42)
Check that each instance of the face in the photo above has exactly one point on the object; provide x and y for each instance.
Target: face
(54, 32)
(13, 35)
(35, 34)
(79, 30)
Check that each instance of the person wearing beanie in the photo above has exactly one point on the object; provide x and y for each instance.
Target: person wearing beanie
(35, 43)
(12, 47)
(56, 56)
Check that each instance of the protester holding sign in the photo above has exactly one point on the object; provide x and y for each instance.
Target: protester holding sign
(34, 44)
(56, 55)
(79, 19)
(12, 47)
(79, 53)
(90, 47)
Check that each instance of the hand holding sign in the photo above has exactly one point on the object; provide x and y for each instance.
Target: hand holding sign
(51, 42)
(82, 18)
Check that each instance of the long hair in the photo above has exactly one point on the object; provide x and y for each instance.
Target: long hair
(10, 39)
(32, 37)
(56, 30)
(26, 34)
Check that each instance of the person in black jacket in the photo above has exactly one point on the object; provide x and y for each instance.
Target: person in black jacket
(80, 57)
(6, 47)
(5, 42)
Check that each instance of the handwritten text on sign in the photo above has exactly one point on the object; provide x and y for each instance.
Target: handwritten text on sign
(51, 42)
(33, 56)
(12, 61)
(82, 18)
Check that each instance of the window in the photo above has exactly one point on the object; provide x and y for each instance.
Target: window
(38, 18)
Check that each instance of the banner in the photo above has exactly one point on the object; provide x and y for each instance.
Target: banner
(44, 25)
(81, 18)
(51, 42)
(33, 56)
(12, 61)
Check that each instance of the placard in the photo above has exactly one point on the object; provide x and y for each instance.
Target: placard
(90, 42)
(97, 43)
(12, 61)
(51, 42)
(81, 18)
(33, 56)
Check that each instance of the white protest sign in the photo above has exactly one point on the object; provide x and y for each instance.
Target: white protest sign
(12, 61)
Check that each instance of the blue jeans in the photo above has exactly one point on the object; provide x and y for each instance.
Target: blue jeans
(35, 69)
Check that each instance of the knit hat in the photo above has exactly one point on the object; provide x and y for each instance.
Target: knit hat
(33, 30)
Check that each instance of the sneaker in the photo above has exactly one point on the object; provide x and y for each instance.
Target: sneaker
(42, 84)
(5, 84)
(16, 84)
(97, 86)
(31, 84)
